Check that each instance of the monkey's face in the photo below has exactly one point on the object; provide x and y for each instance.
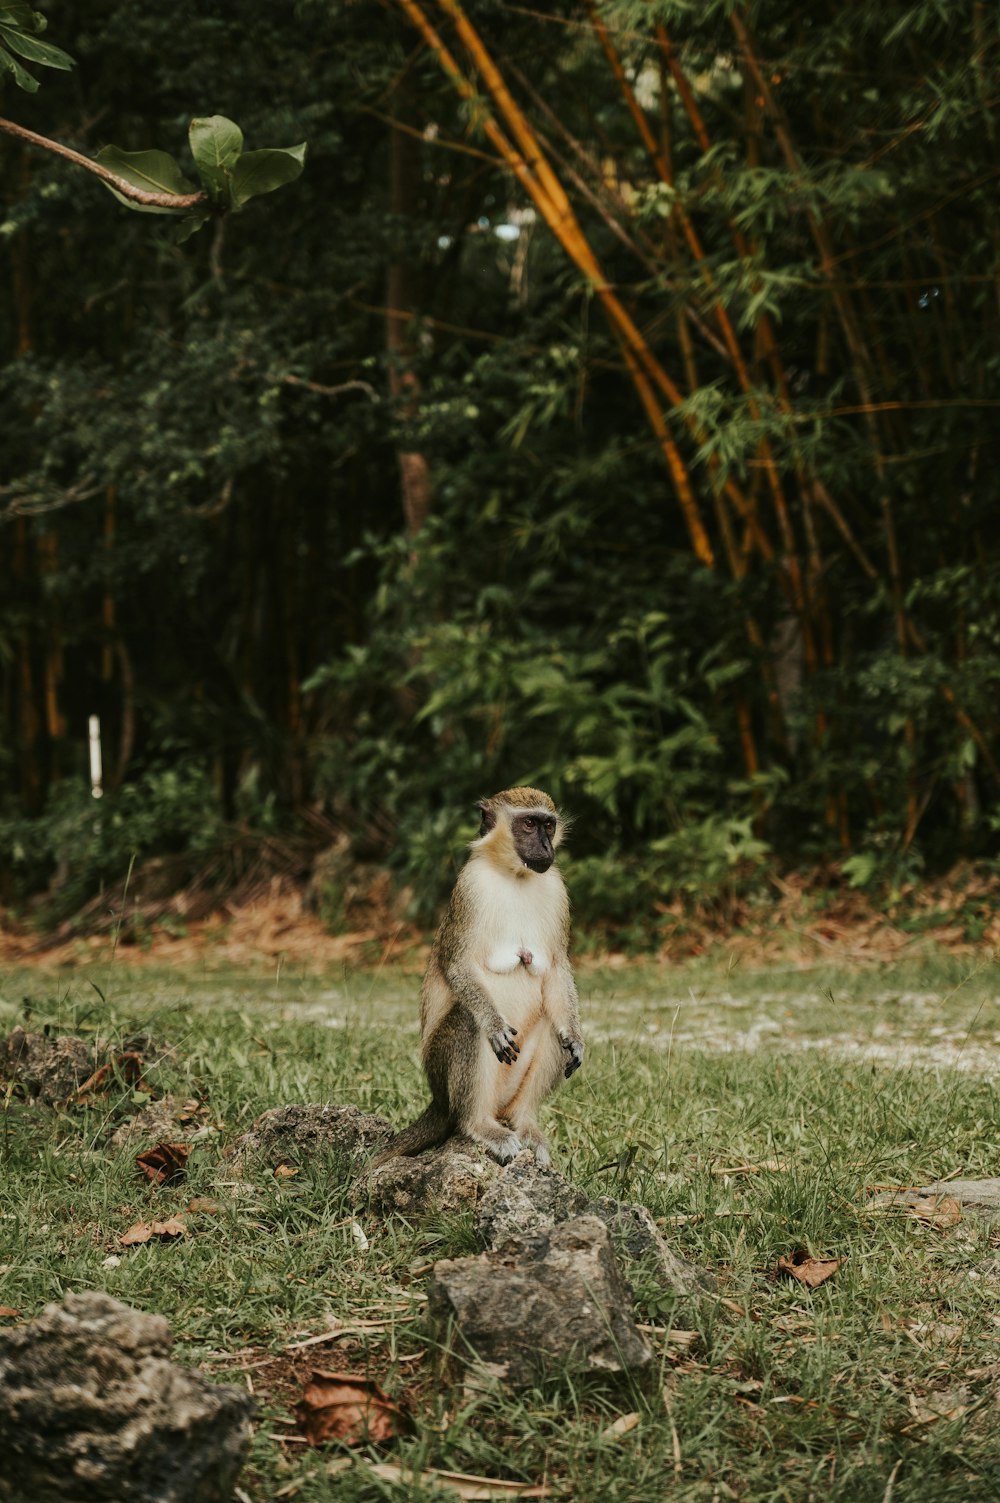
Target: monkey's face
(533, 834)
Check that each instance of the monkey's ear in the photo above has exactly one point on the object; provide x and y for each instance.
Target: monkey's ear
(488, 820)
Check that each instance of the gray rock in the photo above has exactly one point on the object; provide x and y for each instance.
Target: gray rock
(92, 1410)
(547, 1303)
(49, 1069)
(524, 1198)
(977, 1194)
(296, 1135)
(450, 1178)
(158, 1122)
(637, 1238)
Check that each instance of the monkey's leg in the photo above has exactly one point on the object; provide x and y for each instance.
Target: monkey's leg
(542, 1074)
(462, 1068)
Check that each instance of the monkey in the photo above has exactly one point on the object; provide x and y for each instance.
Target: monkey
(499, 1013)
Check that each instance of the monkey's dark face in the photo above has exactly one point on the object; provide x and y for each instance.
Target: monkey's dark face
(533, 834)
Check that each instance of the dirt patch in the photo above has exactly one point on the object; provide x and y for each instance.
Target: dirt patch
(274, 927)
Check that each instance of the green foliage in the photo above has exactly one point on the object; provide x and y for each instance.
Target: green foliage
(20, 32)
(215, 431)
(82, 844)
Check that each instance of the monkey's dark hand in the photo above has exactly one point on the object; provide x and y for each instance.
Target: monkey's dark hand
(503, 1045)
(574, 1048)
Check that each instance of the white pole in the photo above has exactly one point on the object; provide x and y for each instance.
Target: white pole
(95, 757)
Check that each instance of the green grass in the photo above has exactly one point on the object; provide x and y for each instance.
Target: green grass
(751, 1113)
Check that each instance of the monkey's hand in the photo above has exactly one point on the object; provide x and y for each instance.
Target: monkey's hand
(574, 1048)
(503, 1045)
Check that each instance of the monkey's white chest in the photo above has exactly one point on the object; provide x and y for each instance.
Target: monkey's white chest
(518, 931)
(512, 954)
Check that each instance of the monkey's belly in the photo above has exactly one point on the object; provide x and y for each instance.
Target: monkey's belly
(511, 1080)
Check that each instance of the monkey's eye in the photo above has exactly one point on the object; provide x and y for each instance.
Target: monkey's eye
(550, 826)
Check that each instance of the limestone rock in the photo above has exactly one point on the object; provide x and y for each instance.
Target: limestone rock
(450, 1178)
(297, 1134)
(637, 1238)
(524, 1198)
(981, 1195)
(158, 1122)
(49, 1069)
(548, 1301)
(92, 1410)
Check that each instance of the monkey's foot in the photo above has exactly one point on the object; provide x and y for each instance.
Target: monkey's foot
(503, 1045)
(498, 1141)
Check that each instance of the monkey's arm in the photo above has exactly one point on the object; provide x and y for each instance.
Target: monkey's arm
(469, 991)
(564, 1009)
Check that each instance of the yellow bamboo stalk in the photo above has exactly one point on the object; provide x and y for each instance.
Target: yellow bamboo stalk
(543, 187)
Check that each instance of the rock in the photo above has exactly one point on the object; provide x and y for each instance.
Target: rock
(158, 1122)
(637, 1238)
(52, 1070)
(92, 1410)
(296, 1135)
(549, 1301)
(975, 1194)
(450, 1178)
(523, 1198)
(49, 1070)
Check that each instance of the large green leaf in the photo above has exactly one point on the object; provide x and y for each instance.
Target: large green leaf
(156, 171)
(35, 51)
(22, 77)
(216, 145)
(263, 171)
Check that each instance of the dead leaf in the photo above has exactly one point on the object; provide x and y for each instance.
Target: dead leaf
(462, 1484)
(348, 1408)
(165, 1162)
(144, 1230)
(6, 1313)
(622, 1425)
(285, 1171)
(128, 1067)
(202, 1204)
(808, 1270)
(937, 1210)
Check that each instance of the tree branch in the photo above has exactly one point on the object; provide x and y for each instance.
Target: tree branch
(152, 200)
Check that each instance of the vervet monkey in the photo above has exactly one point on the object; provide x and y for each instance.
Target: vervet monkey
(499, 1015)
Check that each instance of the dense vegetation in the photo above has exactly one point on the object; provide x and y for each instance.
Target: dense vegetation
(608, 407)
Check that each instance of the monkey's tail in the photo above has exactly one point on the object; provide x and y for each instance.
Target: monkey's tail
(431, 1127)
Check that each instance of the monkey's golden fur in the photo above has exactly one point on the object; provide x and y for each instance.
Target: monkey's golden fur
(499, 1016)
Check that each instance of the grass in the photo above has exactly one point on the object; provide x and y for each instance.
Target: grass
(751, 1113)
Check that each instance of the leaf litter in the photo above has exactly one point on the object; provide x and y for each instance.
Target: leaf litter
(348, 1408)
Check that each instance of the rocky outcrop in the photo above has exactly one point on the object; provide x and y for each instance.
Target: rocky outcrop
(92, 1410)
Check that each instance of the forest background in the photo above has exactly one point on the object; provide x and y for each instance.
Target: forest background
(611, 406)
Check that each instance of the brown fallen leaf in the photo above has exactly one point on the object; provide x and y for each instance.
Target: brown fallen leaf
(6, 1313)
(165, 1162)
(203, 1204)
(808, 1270)
(128, 1067)
(936, 1210)
(144, 1230)
(348, 1408)
(285, 1171)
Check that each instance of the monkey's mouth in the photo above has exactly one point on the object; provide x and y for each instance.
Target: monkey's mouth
(539, 866)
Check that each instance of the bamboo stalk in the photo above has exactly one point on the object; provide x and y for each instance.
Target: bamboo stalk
(548, 196)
